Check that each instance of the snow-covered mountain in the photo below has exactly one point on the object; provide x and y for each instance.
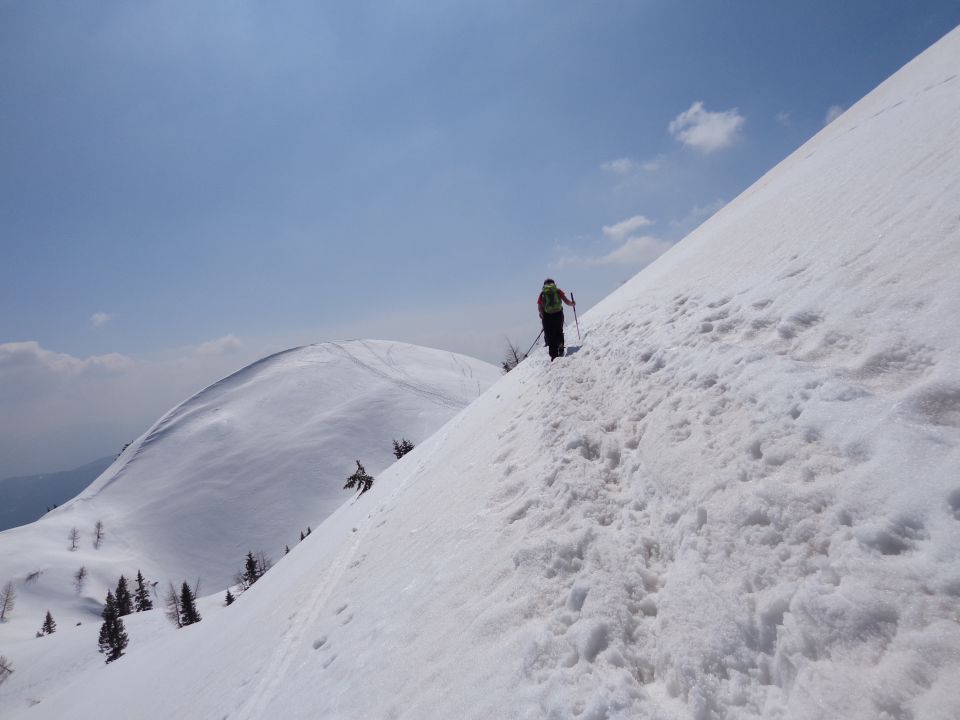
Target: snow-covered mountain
(738, 498)
(244, 465)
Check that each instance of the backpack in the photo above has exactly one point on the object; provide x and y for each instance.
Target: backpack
(551, 299)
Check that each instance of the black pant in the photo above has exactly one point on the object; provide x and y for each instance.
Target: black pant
(553, 333)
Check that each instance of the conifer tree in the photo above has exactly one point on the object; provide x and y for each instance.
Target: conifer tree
(251, 572)
(97, 534)
(113, 638)
(359, 480)
(123, 598)
(286, 549)
(228, 600)
(74, 538)
(141, 597)
(188, 606)
(402, 448)
(8, 598)
(309, 530)
(49, 626)
(301, 535)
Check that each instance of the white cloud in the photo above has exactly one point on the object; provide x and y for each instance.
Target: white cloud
(99, 319)
(60, 410)
(652, 165)
(833, 112)
(221, 346)
(783, 118)
(622, 229)
(620, 166)
(626, 166)
(637, 251)
(25, 365)
(706, 131)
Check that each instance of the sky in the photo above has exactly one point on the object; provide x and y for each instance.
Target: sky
(185, 187)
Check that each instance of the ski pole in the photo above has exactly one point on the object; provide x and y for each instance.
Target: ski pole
(574, 301)
(527, 353)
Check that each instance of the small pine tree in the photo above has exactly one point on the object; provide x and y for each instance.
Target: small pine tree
(113, 638)
(309, 530)
(123, 598)
(97, 534)
(8, 598)
(141, 597)
(286, 549)
(402, 448)
(302, 535)
(49, 626)
(359, 480)
(74, 538)
(251, 572)
(228, 600)
(188, 606)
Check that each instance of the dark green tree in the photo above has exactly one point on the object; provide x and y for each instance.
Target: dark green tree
(123, 598)
(359, 480)
(402, 448)
(188, 606)
(228, 600)
(141, 597)
(113, 636)
(49, 626)
(251, 570)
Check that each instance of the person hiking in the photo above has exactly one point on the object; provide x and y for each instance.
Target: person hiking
(550, 306)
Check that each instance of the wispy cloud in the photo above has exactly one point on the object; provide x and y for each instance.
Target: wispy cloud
(833, 112)
(99, 319)
(221, 346)
(638, 251)
(619, 231)
(706, 131)
(653, 164)
(620, 166)
(783, 118)
(631, 248)
(627, 166)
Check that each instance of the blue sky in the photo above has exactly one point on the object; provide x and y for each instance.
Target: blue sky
(185, 186)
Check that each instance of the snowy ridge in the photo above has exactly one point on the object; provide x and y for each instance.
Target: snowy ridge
(737, 499)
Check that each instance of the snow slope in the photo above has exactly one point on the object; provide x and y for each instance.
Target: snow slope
(246, 464)
(738, 499)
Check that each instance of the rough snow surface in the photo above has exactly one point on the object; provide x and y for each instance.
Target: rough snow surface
(738, 498)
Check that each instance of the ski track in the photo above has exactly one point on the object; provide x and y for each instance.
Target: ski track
(274, 672)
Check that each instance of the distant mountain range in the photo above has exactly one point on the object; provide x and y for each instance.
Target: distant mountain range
(28, 497)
